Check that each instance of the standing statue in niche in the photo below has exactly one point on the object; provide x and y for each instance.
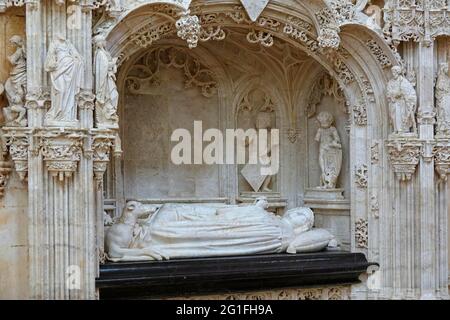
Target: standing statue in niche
(66, 68)
(107, 96)
(192, 230)
(330, 151)
(402, 100)
(16, 86)
(442, 92)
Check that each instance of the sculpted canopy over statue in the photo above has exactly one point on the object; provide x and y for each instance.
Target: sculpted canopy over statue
(189, 230)
(330, 151)
(402, 100)
(16, 85)
(442, 92)
(65, 66)
(107, 96)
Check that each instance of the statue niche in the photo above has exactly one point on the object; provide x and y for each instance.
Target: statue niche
(256, 111)
(402, 100)
(66, 67)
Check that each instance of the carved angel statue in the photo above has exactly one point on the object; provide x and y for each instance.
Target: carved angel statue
(66, 68)
(16, 85)
(330, 151)
(402, 100)
(190, 230)
(442, 92)
(107, 96)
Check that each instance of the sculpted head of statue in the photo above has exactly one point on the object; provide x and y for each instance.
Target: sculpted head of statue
(443, 68)
(99, 41)
(301, 219)
(16, 40)
(396, 71)
(325, 119)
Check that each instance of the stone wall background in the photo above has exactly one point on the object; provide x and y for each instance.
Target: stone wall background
(13, 205)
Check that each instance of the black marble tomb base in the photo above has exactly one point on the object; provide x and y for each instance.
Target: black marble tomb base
(180, 277)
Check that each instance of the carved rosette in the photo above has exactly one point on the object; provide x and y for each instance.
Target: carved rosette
(441, 153)
(18, 142)
(61, 152)
(404, 156)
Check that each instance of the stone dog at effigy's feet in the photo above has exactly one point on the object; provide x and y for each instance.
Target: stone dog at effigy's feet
(192, 230)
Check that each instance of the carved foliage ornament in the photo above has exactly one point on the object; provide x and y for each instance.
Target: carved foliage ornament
(361, 175)
(146, 70)
(188, 28)
(61, 152)
(18, 143)
(404, 156)
(361, 233)
(441, 153)
(416, 20)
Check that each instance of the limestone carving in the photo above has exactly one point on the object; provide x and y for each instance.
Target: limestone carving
(18, 144)
(330, 151)
(325, 85)
(378, 52)
(442, 92)
(16, 86)
(404, 156)
(61, 152)
(188, 27)
(146, 70)
(65, 66)
(360, 114)
(361, 175)
(361, 233)
(441, 153)
(402, 100)
(107, 96)
(182, 231)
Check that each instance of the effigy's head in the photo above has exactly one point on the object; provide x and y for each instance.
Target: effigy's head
(301, 219)
(138, 210)
(262, 202)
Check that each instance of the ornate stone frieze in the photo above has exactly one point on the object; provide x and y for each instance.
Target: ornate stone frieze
(378, 53)
(316, 293)
(262, 37)
(360, 114)
(361, 175)
(361, 233)
(147, 35)
(441, 153)
(188, 28)
(17, 141)
(404, 155)
(416, 20)
(146, 70)
(61, 151)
